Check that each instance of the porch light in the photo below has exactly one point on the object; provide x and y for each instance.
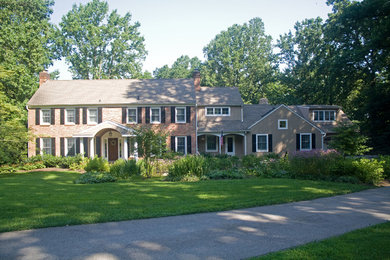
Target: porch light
(110, 133)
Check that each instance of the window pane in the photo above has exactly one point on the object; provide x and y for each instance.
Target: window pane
(132, 115)
(262, 142)
(46, 116)
(181, 145)
(282, 124)
(71, 149)
(218, 111)
(321, 114)
(46, 145)
(210, 111)
(211, 143)
(332, 115)
(155, 115)
(225, 111)
(327, 115)
(70, 116)
(180, 115)
(305, 142)
(316, 115)
(92, 115)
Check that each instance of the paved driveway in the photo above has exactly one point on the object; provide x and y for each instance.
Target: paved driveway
(231, 234)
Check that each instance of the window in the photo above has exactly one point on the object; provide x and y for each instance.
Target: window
(305, 142)
(262, 143)
(211, 143)
(181, 144)
(132, 115)
(46, 145)
(92, 115)
(46, 116)
(70, 146)
(324, 115)
(180, 115)
(70, 117)
(282, 124)
(217, 111)
(155, 115)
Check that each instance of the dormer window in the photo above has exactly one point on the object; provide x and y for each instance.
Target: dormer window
(217, 111)
(324, 115)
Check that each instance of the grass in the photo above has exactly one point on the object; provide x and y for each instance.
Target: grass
(45, 199)
(367, 243)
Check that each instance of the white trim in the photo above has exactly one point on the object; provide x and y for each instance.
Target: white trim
(136, 115)
(257, 143)
(67, 148)
(151, 115)
(41, 117)
(300, 142)
(245, 152)
(258, 121)
(282, 120)
(213, 108)
(66, 116)
(185, 143)
(227, 144)
(88, 116)
(216, 144)
(185, 115)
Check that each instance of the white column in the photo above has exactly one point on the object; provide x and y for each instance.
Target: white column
(245, 152)
(82, 146)
(91, 148)
(136, 151)
(125, 144)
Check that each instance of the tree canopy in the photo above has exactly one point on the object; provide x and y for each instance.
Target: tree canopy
(98, 44)
(181, 68)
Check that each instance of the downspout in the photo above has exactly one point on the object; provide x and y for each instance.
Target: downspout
(28, 150)
(196, 129)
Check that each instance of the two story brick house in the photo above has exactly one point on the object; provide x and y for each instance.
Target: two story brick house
(95, 117)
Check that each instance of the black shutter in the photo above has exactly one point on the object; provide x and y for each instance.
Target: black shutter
(98, 146)
(37, 116)
(77, 145)
(139, 111)
(53, 146)
(62, 146)
(313, 141)
(77, 112)
(37, 146)
(53, 116)
(85, 115)
(100, 115)
(124, 115)
(253, 143)
(173, 114)
(147, 115)
(270, 143)
(62, 116)
(85, 140)
(163, 115)
(189, 144)
(173, 144)
(298, 142)
(188, 114)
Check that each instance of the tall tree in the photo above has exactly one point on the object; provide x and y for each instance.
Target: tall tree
(242, 57)
(26, 46)
(98, 44)
(181, 68)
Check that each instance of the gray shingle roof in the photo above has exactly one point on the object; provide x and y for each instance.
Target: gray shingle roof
(218, 126)
(117, 91)
(253, 113)
(218, 96)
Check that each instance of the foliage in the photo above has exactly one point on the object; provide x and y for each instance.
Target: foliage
(349, 141)
(26, 44)
(241, 57)
(98, 44)
(151, 142)
(385, 159)
(225, 174)
(94, 177)
(182, 68)
(368, 170)
(97, 164)
(187, 166)
(4, 169)
(49, 160)
(122, 169)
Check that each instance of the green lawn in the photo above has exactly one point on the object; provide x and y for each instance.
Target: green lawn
(44, 199)
(367, 243)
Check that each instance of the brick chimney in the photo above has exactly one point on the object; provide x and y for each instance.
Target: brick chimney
(43, 77)
(196, 76)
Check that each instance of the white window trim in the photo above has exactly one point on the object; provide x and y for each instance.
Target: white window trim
(282, 128)
(323, 111)
(41, 117)
(185, 143)
(216, 144)
(41, 145)
(213, 108)
(136, 115)
(159, 115)
(300, 142)
(257, 143)
(88, 117)
(66, 146)
(185, 115)
(66, 116)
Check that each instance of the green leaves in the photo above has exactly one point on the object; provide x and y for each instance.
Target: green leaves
(99, 45)
(182, 68)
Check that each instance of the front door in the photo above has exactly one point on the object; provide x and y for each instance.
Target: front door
(229, 145)
(112, 149)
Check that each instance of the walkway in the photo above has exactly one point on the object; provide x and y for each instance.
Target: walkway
(232, 234)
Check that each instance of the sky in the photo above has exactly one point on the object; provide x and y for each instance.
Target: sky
(172, 28)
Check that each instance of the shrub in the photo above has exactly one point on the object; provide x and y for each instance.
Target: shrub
(369, 170)
(385, 159)
(94, 177)
(225, 174)
(187, 166)
(124, 169)
(348, 179)
(97, 164)
(250, 161)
